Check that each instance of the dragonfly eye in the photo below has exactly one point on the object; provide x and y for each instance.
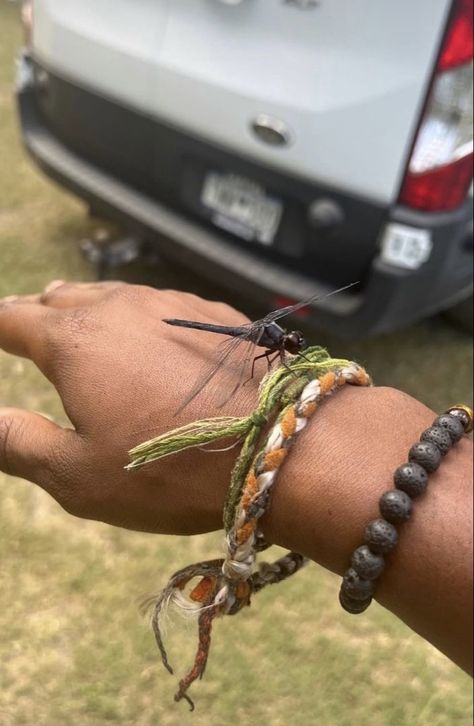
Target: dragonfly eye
(294, 342)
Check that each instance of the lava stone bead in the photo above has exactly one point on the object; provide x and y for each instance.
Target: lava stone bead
(366, 563)
(438, 436)
(380, 536)
(426, 454)
(353, 606)
(462, 416)
(452, 424)
(354, 586)
(395, 506)
(411, 478)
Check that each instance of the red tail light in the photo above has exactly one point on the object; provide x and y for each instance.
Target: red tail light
(439, 170)
(458, 45)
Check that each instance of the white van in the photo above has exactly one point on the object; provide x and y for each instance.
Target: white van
(282, 147)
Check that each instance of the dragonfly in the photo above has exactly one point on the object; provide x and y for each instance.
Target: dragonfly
(237, 353)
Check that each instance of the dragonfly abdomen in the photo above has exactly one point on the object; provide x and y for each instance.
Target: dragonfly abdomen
(233, 332)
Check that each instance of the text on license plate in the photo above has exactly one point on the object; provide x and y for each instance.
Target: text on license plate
(241, 206)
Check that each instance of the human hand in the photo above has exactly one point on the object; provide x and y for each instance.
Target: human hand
(121, 374)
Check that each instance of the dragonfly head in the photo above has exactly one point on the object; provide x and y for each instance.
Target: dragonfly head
(294, 342)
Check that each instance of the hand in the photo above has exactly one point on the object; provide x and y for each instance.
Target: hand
(121, 374)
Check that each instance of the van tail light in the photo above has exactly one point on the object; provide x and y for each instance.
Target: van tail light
(439, 170)
(27, 22)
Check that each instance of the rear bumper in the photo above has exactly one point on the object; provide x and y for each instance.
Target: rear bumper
(388, 298)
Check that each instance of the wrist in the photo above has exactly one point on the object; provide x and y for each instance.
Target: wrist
(330, 486)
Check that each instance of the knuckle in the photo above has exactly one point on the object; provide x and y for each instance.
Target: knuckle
(137, 299)
(225, 309)
(78, 320)
(59, 337)
(53, 291)
(133, 293)
(69, 325)
(190, 298)
(226, 313)
(187, 301)
(140, 295)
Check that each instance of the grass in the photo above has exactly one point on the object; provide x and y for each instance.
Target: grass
(73, 649)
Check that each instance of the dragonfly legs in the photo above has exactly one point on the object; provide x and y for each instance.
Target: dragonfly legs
(266, 355)
(270, 361)
(304, 357)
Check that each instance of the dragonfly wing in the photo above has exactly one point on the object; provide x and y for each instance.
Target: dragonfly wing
(224, 360)
(241, 369)
(289, 309)
(237, 372)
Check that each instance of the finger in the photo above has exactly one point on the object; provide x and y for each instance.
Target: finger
(24, 328)
(76, 294)
(33, 447)
(20, 299)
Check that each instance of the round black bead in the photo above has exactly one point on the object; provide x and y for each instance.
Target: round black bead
(426, 454)
(381, 536)
(356, 587)
(353, 606)
(452, 424)
(411, 478)
(439, 437)
(461, 415)
(366, 563)
(395, 506)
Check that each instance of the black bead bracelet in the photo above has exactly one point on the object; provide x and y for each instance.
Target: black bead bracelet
(410, 479)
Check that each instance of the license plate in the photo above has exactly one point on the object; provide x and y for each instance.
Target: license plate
(242, 207)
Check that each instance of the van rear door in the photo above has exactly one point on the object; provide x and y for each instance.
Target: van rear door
(347, 78)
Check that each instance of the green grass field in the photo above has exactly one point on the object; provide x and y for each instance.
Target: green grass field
(73, 647)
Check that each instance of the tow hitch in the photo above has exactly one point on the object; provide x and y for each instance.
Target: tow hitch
(108, 253)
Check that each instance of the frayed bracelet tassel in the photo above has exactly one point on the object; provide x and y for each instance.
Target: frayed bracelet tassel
(291, 394)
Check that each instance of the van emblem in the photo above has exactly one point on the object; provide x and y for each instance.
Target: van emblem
(271, 130)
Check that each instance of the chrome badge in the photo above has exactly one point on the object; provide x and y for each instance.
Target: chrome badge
(271, 131)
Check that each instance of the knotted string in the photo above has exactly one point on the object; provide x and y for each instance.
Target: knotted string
(288, 397)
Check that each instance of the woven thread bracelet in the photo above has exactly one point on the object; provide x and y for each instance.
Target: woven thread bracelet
(289, 397)
(410, 479)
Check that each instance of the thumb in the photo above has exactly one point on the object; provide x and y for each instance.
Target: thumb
(33, 447)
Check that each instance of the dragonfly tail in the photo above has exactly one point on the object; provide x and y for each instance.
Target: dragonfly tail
(234, 332)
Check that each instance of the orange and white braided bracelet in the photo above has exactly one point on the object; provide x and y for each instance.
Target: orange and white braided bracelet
(225, 585)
